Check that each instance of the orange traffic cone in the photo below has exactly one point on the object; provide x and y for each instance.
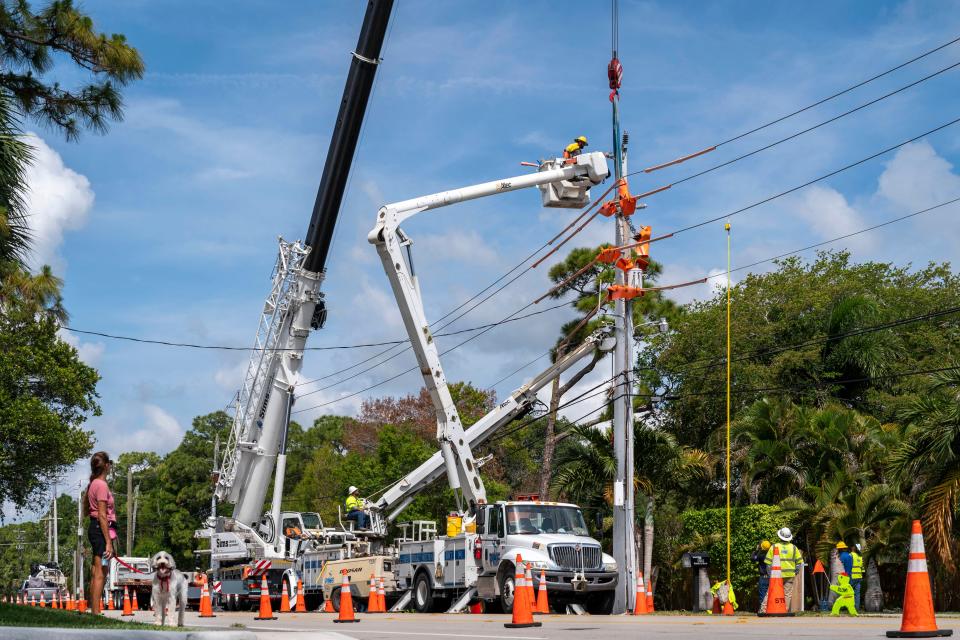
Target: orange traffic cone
(109, 603)
(640, 604)
(71, 606)
(328, 606)
(542, 605)
(382, 595)
(127, 607)
(81, 602)
(33, 601)
(54, 601)
(373, 601)
(522, 615)
(776, 600)
(301, 598)
(43, 601)
(918, 619)
(346, 601)
(134, 603)
(206, 603)
(284, 598)
(266, 611)
(650, 608)
(728, 606)
(528, 581)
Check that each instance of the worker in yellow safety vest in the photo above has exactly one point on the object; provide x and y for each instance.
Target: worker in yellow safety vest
(355, 509)
(574, 148)
(790, 557)
(856, 573)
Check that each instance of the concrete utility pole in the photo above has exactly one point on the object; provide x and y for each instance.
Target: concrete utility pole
(624, 543)
(130, 510)
(216, 453)
(54, 529)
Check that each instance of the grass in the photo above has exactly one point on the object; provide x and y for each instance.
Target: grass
(20, 616)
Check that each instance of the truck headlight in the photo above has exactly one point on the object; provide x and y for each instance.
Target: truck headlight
(609, 566)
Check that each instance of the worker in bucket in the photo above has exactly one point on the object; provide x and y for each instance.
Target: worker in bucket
(355, 509)
(844, 591)
(574, 148)
(790, 557)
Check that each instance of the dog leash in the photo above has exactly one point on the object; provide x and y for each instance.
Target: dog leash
(132, 568)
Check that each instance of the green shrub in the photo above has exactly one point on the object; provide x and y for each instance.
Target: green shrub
(748, 526)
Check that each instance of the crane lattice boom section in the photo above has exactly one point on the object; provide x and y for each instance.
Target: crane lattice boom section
(264, 359)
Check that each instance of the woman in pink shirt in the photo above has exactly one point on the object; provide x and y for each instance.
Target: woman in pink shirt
(103, 525)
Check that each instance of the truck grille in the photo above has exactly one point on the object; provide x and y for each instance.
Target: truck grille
(566, 556)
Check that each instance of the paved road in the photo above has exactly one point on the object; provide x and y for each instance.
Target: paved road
(403, 626)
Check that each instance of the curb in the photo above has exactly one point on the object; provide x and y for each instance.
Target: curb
(55, 633)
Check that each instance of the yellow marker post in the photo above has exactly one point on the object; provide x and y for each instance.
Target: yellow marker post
(727, 229)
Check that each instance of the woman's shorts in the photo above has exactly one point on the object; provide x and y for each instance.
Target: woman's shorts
(98, 544)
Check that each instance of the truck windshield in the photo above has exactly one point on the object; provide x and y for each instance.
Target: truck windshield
(542, 518)
(311, 520)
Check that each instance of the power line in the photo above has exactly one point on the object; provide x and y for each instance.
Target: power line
(517, 370)
(813, 181)
(838, 94)
(718, 360)
(814, 127)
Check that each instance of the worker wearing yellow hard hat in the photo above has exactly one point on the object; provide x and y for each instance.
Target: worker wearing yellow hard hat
(574, 148)
(759, 558)
(852, 563)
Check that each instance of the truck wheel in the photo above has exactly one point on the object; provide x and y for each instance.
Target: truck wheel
(507, 587)
(422, 593)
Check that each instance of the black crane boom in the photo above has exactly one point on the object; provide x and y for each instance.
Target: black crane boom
(346, 132)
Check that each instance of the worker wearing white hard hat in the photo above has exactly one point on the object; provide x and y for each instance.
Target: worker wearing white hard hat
(355, 508)
(790, 557)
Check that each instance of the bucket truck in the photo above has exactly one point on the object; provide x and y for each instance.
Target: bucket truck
(475, 560)
(251, 542)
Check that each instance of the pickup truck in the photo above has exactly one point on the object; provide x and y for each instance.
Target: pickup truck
(548, 535)
(37, 590)
(139, 581)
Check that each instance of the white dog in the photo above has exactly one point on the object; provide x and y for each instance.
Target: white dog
(169, 588)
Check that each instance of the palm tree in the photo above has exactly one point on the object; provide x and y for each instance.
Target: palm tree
(928, 461)
(15, 155)
(765, 445)
(38, 295)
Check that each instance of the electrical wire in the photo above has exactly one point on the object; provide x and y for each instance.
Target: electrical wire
(814, 127)
(814, 180)
(837, 94)
(719, 360)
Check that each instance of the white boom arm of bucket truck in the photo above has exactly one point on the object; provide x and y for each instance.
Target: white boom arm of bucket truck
(401, 494)
(559, 180)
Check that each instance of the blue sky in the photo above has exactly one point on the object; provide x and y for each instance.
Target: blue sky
(165, 228)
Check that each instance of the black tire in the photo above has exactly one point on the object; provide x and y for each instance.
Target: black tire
(600, 604)
(354, 599)
(507, 587)
(422, 593)
(311, 601)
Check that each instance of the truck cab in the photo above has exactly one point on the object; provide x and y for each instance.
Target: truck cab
(550, 536)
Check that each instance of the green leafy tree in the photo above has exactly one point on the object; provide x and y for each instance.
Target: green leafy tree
(928, 461)
(46, 394)
(803, 329)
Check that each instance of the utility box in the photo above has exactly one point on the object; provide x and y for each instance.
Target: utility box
(698, 562)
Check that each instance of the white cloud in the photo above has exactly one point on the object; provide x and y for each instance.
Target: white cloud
(160, 432)
(58, 201)
(89, 352)
(455, 247)
(230, 377)
(917, 177)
